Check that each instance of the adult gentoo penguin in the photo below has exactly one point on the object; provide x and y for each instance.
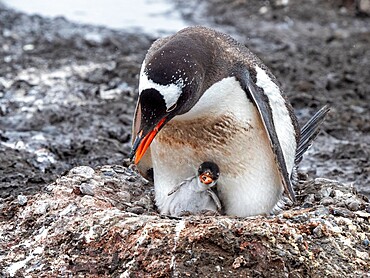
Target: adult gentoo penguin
(205, 97)
(195, 193)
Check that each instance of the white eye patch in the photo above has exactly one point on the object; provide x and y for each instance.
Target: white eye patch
(170, 92)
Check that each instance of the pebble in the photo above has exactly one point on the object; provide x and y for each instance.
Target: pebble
(87, 189)
(342, 212)
(85, 172)
(68, 209)
(341, 204)
(352, 228)
(94, 38)
(322, 211)
(124, 196)
(363, 6)
(318, 231)
(310, 198)
(299, 238)
(366, 242)
(22, 199)
(332, 81)
(136, 210)
(263, 10)
(38, 250)
(145, 202)
(325, 192)
(121, 170)
(367, 209)
(354, 206)
(363, 214)
(109, 172)
(238, 262)
(301, 217)
(327, 201)
(42, 208)
(338, 193)
(307, 205)
(280, 3)
(362, 255)
(28, 47)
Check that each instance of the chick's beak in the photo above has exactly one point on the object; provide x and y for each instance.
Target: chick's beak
(142, 142)
(206, 178)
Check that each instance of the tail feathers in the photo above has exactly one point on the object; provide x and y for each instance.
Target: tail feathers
(309, 132)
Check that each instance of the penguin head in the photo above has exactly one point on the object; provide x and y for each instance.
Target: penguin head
(170, 85)
(208, 173)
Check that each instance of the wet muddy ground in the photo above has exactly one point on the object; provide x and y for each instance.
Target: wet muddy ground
(67, 91)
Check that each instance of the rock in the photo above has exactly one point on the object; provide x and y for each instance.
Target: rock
(22, 200)
(366, 242)
(84, 172)
(327, 201)
(363, 6)
(263, 10)
(41, 207)
(354, 205)
(238, 262)
(318, 231)
(87, 189)
(281, 3)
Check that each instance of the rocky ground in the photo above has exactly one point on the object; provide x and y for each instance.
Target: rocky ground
(67, 95)
(103, 223)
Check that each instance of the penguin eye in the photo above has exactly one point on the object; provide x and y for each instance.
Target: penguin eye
(205, 178)
(171, 108)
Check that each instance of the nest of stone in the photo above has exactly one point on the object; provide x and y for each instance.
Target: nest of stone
(104, 222)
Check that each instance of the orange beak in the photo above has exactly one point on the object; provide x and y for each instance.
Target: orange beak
(144, 143)
(206, 178)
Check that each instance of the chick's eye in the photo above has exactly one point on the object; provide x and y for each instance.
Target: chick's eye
(171, 108)
(206, 179)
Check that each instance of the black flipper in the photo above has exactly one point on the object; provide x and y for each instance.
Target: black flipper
(261, 101)
(309, 132)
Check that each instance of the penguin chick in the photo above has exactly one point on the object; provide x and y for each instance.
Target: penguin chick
(195, 193)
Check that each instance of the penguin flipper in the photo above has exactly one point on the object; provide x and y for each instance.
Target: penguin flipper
(309, 132)
(215, 199)
(177, 187)
(261, 101)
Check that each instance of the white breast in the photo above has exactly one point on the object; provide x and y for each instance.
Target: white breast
(223, 127)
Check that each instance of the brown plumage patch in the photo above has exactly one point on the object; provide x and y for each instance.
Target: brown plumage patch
(201, 133)
(216, 139)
